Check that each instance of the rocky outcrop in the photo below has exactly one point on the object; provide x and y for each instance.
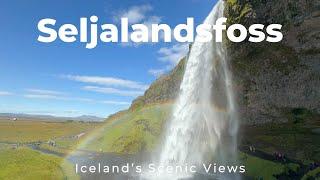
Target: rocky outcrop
(163, 89)
(274, 79)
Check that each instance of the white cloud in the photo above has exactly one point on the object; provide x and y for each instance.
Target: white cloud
(138, 15)
(44, 91)
(152, 20)
(135, 14)
(115, 91)
(81, 99)
(148, 22)
(107, 81)
(116, 102)
(157, 72)
(5, 93)
(171, 56)
(43, 96)
(51, 94)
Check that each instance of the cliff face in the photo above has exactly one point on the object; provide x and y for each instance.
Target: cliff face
(272, 80)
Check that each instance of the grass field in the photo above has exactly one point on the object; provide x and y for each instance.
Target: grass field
(24, 163)
(263, 169)
(32, 131)
(19, 161)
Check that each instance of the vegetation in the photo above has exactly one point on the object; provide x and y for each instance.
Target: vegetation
(33, 131)
(139, 130)
(18, 161)
(238, 10)
(24, 163)
(164, 89)
(132, 132)
(62, 146)
(258, 168)
(296, 139)
(314, 174)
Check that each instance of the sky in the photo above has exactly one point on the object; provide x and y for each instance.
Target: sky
(66, 79)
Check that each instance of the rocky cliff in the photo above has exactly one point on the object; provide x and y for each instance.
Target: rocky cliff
(164, 89)
(272, 80)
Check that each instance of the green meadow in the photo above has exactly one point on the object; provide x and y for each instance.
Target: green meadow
(24, 131)
(24, 163)
(18, 160)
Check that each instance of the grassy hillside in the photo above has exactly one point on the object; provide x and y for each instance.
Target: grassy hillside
(132, 131)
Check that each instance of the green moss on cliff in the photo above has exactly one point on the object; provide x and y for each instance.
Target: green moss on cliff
(163, 89)
(236, 11)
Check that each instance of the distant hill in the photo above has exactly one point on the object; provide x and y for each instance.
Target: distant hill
(89, 118)
(86, 118)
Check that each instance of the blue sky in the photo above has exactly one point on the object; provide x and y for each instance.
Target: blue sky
(66, 79)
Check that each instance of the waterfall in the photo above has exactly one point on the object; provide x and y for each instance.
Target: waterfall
(204, 125)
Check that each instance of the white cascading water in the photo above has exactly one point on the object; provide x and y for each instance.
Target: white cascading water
(204, 123)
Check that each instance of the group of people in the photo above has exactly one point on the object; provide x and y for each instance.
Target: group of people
(252, 149)
(282, 158)
(279, 156)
